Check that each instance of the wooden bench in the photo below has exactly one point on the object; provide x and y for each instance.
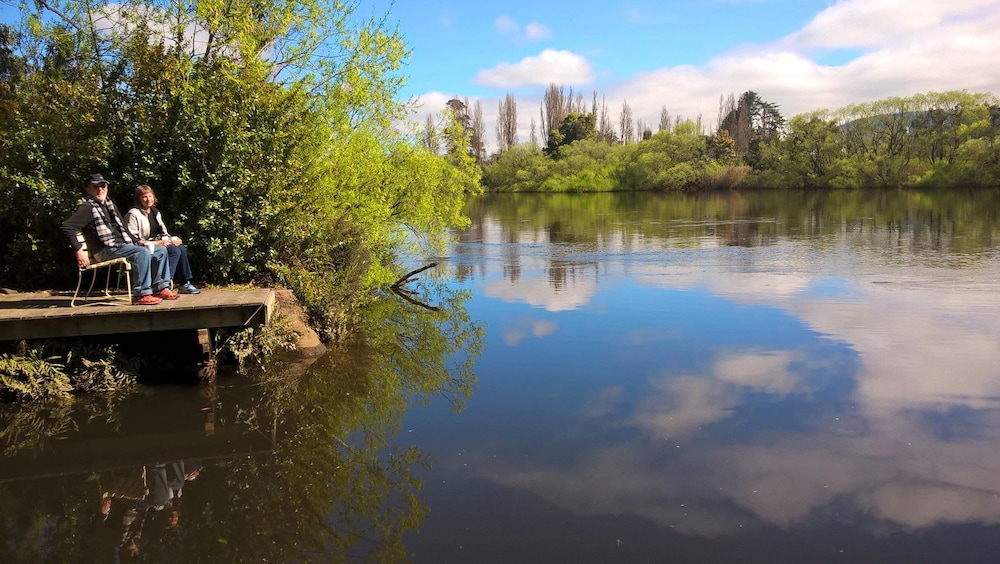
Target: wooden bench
(122, 265)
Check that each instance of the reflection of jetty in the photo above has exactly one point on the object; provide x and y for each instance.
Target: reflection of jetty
(148, 427)
(48, 315)
(76, 456)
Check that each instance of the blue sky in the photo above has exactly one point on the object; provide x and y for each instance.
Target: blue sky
(803, 55)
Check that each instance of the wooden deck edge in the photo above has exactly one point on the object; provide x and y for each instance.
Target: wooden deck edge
(129, 319)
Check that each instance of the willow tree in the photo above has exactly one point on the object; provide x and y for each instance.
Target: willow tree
(267, 130)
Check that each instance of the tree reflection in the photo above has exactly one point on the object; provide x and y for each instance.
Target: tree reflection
(334, 489)
(331, 488)
(960, 222)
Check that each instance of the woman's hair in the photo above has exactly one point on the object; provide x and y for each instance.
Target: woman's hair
(141, 191)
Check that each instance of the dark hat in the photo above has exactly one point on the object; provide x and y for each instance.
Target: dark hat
(96, 179)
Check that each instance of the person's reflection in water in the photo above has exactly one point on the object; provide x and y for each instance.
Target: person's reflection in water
(166, 486)
(180, 472)
(117, 530)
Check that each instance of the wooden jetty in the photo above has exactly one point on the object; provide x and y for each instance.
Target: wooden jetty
(48, 315)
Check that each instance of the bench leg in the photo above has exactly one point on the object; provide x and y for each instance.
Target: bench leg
(79, 281)
(128, 278)
(93, 279)
(107, 282)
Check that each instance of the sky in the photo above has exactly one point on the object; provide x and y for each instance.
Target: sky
(802, 55)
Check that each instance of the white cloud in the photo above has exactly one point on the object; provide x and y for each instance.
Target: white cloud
(431, 102)
(887, 48)
(560, 67)
(536, 32)
(531, 32)
(937, 46)
(506, 25)
(870, 23)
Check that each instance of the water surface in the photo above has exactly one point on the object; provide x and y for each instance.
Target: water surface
(762, 377)
(775, 377)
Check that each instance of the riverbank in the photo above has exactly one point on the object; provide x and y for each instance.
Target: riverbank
(307, 342)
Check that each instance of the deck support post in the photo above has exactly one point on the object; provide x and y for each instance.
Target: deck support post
(207, 364)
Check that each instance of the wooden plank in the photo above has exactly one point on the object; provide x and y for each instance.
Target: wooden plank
(48, 315)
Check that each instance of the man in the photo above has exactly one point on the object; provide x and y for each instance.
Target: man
(102, 227)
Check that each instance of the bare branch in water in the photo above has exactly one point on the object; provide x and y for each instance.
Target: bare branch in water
(405, 294)
(407, 277)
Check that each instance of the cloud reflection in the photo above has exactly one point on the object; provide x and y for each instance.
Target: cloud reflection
(926, 355)
(526, 327)
(911, 441)
(540, 293)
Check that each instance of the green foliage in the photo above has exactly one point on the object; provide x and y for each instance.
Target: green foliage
(57, 370)
(253, 347)
(102, 370)
(33, 377)
(915, 141)
(927, 140)
(574, 127)
(721, 148)
(673, 160)
(669, 160)
(521, 168)
(271, 143)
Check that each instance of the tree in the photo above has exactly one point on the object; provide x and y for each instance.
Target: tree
(555, 106)
(477, 141)
(750, 121)
(279, 114)
(506, 123)
(626, 125)
(430, 137)
(605, 129)
(574, 127)
(722, 148)
(664, 124)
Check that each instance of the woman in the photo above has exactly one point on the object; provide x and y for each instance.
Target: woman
(145, 222)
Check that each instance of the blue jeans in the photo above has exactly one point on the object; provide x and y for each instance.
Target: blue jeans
(150, 272)
(179, 267)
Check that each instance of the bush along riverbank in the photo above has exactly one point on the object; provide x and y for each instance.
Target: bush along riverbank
(932, 140)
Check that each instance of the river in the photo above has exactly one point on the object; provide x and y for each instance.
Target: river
(754, 377)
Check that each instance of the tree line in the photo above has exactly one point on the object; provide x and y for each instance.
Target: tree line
(927, 140)
(266, 129)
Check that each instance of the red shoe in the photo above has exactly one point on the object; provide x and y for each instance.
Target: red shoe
(166, 294)
(146, 300)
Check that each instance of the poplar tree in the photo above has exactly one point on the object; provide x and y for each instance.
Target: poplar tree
(506, 123)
